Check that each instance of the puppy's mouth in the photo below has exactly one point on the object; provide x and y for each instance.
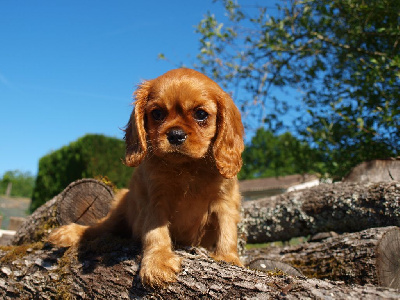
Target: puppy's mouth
(177, 153)
(175, 156)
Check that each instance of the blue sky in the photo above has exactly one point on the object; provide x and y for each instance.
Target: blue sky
(68, 68)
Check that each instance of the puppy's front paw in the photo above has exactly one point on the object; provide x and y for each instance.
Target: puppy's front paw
(159, 268)
(231, 258)
(67, 235)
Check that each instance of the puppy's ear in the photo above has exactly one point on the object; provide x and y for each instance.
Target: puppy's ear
(229, 145)
(135, 132)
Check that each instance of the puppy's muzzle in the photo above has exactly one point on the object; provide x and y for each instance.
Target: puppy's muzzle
(176, 136)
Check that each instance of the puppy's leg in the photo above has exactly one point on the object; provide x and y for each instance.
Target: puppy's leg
(67, 235)
(72, 234)
(159, 263)
(226, 244)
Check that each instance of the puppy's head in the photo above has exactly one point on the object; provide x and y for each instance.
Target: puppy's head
(184, 115)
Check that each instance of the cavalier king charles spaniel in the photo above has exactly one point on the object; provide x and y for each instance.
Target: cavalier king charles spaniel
(185, 138)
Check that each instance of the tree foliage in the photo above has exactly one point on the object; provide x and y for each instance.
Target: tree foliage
(21, 183)
(341, 57)
(270, 155)
(88, 157)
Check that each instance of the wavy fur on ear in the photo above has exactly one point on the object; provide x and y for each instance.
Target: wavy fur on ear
(135, 132)
(229, 145)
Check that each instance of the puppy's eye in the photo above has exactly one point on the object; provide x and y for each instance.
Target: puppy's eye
(158, 114)
(200, 115)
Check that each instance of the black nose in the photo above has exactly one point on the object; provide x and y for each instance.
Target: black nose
(176, 136)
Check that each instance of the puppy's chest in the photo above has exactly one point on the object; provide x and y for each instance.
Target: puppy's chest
(190, 212)
(191, 202)
(187, 188)
(187, 223)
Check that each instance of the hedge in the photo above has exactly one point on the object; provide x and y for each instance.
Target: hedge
(88, 157)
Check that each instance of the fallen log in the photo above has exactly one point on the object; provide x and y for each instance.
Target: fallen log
(339, 207)
(108, 268)
(83, 201)
(367, 257)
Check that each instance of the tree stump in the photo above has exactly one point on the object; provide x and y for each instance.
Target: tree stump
(83, 201)
(388, 259)
(339, 207)
(371, 256)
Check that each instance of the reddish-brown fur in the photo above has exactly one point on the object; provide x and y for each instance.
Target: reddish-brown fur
(184, 194)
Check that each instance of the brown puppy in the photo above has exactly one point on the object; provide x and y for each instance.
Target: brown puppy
(186, 136)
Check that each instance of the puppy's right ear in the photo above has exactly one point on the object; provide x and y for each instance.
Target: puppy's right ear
(135, 132)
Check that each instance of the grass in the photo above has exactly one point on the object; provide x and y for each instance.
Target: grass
(292, 242)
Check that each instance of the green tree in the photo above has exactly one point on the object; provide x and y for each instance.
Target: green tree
(342, 57)
(22, 183)
(88, 157)
(270, 155)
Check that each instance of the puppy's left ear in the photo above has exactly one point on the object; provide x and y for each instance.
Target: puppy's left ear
(135, 132)
(229, 145)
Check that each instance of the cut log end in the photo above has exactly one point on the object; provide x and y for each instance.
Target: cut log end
(388, 259)
(84, 202)
(269, 265)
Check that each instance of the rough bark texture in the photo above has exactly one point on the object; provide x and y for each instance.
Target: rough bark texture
(83, 201)
(355, 258)
(108, 269)
(341, 207)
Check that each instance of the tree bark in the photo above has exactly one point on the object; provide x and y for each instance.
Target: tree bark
(339, 207)
(367, 257)
(108, 269)
(83, 201)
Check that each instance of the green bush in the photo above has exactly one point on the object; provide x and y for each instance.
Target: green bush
(272, 155)
(88, 157)
(22, 183)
